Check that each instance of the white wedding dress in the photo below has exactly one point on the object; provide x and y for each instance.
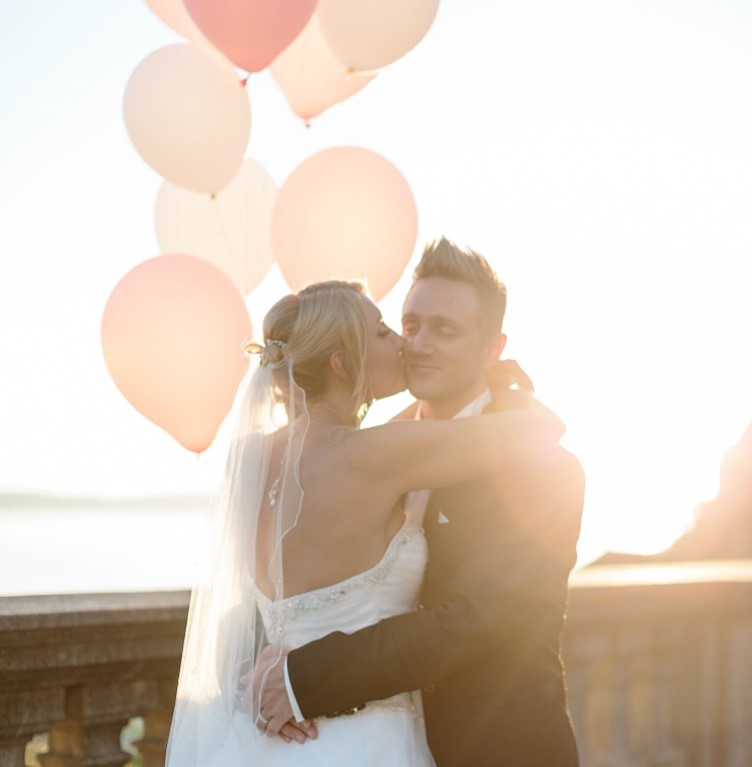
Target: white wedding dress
(388, 732)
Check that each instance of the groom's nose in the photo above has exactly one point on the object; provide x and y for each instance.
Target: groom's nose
(418, 341)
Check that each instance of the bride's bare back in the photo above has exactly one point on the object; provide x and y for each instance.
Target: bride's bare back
(344, 524)
(353, 481)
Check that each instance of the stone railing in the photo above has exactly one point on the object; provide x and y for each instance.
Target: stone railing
(658, 662)
(79, 667)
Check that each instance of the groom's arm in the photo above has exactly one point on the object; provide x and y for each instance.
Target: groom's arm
(342, 671)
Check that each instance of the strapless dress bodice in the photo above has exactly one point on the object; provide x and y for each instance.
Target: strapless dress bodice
(391, 587)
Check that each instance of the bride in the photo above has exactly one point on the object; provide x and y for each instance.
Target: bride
(310, 535)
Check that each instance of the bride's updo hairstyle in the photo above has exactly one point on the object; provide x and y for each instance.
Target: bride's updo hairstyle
(310, 326)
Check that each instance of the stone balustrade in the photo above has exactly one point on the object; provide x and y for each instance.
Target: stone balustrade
(658, 662)
(79, 667)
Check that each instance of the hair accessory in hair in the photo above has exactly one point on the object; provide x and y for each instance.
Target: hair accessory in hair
(267, 351)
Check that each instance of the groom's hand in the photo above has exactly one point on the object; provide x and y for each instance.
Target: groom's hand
(275, 712)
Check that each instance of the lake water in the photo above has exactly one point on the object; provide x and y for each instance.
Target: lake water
(61, 548)
(50, 549)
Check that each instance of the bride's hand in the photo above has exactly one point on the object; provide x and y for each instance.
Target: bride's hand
(275, 715)
(505, 374)
(512, 389)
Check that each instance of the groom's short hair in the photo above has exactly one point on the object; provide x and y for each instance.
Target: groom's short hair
(442, 258)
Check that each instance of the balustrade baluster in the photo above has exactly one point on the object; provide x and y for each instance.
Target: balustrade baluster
(708, 699)
(23, 714)
(739, 697)
(95, 715)
(12, 751)
(666, 652)
(624, 647)
(153, 746)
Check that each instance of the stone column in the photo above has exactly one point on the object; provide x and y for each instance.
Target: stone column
(667, 650)
(153, 745)
(23, 714)
(95, 715)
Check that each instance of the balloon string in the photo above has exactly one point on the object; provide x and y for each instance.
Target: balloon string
(307, 123)
(243, 257)
(223, 229)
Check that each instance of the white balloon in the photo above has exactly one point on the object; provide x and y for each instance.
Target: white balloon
(232, 229)
(369, 34)
(311, 76)
(188, 116)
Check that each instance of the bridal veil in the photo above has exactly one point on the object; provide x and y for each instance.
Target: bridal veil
(258, 503)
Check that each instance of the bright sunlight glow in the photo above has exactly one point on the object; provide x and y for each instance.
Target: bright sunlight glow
(597, 153)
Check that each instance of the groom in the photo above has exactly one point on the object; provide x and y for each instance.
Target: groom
(485, 644)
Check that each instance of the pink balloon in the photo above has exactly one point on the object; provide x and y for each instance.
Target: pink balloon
(345, 212)
(173, 13)
(251, 33)
(172, 335)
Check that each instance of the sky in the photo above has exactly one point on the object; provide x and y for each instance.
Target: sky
(597, 153)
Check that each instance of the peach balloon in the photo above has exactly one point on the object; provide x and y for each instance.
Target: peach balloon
(173, 13)
(369, 34)
(251, 33)
(231, 229)
(188, 116)
(311, 77)
(172, 335)
(345, 212)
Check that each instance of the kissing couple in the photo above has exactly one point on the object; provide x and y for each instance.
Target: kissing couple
(392, 595)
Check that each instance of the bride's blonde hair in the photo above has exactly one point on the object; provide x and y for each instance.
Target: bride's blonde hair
(310, 326)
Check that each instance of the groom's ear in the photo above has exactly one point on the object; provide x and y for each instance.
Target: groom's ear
(494, 349)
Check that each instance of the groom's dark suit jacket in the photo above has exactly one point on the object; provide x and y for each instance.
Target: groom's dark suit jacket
(485, 645)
